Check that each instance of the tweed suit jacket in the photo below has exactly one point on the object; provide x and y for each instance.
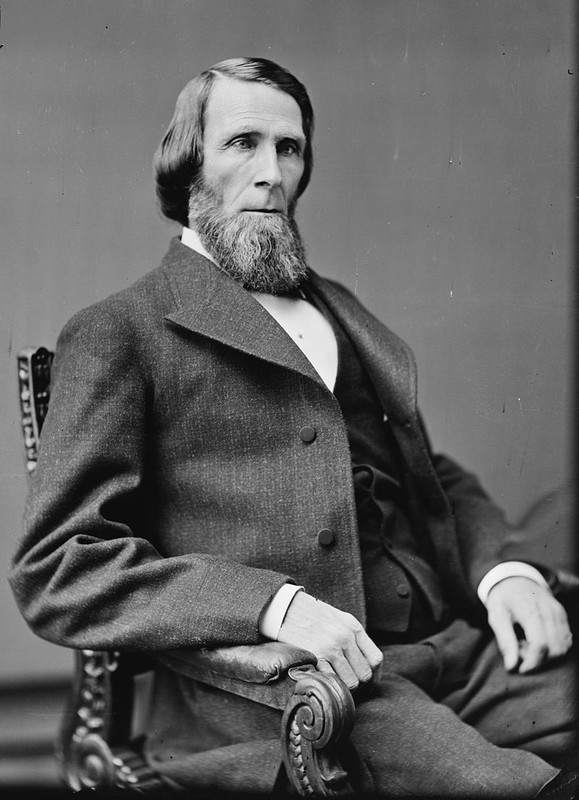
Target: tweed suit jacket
(173, 494)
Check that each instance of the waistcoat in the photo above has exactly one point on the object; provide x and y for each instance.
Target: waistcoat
(404, 597)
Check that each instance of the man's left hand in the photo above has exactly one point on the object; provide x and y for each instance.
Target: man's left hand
(541, 617)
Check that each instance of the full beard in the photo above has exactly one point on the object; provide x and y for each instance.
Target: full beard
(264, 252)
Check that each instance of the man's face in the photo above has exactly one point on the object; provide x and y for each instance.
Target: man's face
(253, 147)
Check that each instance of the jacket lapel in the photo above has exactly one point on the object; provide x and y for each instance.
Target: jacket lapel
(210, 303)
(391, 366)
(387, 359)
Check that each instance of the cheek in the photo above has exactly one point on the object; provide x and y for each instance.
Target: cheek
(232, 182)
(222, 173)
(292, 178)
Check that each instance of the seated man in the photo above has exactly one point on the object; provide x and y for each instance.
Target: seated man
(233, 452)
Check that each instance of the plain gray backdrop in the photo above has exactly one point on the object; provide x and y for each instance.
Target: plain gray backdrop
(441, 195)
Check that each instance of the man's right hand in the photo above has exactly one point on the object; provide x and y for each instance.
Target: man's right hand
(337, 639)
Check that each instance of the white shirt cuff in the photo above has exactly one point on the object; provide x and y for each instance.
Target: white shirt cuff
(274, 614)
(508, 569)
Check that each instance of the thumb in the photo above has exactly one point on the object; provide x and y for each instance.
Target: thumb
(506, 637)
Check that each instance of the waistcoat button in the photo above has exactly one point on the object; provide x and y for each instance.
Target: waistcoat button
(326, 537)
(307, 434)
(402, 590)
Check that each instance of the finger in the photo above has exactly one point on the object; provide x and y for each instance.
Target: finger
(535, 649)
(358, 662)
(362, 654)
(537, 652)
(340, 666)
(565, 639)
(560, 637)
(377, 671)
(324, 665)
(371, 652)
(533, 656)
(506, 637)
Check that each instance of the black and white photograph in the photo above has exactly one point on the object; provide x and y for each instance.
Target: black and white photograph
(287, 321)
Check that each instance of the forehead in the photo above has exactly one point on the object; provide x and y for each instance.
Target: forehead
(248, 105)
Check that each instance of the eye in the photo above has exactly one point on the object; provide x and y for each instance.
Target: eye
(242, 143)
(289, 148)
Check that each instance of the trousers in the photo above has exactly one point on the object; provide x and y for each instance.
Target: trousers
(446, 719)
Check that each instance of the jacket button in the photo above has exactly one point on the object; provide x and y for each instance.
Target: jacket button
(325, 537)
(402, 590)
(307, 434)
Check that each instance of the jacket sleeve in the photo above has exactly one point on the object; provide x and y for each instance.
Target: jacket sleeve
(82, 575)
(481, 526)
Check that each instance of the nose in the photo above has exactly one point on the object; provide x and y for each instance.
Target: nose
(268, 172)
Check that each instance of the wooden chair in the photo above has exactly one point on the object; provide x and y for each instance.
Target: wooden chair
(96, 747)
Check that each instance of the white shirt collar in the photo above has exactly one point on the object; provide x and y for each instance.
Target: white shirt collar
(191, 239)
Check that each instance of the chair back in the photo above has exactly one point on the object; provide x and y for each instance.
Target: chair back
(34, 365)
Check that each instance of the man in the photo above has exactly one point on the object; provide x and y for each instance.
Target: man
(233, 452)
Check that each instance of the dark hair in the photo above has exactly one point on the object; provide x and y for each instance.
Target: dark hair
(180, 155)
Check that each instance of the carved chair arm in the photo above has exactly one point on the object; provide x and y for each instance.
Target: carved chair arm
(257, 672)
(318, 709)
(316, 723)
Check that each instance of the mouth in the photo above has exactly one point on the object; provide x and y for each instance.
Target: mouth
(263, 210)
